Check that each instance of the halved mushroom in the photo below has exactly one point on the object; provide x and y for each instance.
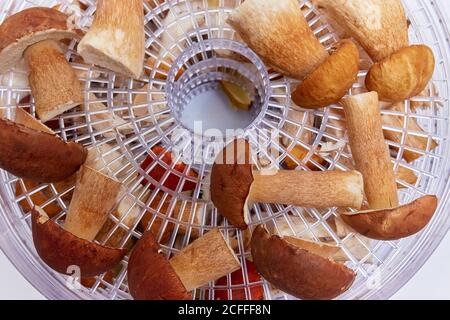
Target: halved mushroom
(379, 26)
(278, 32)
(296, 270)
(36, 155)
(152, 277)
(234, 184)
(393, 223)
(372, 159)
(60, 249)
(331, 80)
(403, 75)
(94, 197)
(116, 38)
(33, 33)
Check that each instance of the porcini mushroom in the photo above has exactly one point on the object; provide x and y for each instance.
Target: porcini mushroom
(400, 71)
(33, 33)
(379, 26)
(278, 32)
(152, 277)
(234, 184)
(296, 270)
(331, 80)
(393, 223)
(206, 259)
(60, 249)
(372, 159)
(403, 75)
(94, 197)
(116, 38)
(37, 155)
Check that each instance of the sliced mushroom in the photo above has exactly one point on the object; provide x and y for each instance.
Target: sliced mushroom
(60, 249)
(403, 75)
(94, 197)
(116, 38)
(372, 158)
(331, 80)
(234, 184)
(38, 156)
(379, 26)
(152, 277)
(278, 32)
(296, 270)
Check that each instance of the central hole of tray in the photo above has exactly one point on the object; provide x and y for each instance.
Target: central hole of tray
(195, 88)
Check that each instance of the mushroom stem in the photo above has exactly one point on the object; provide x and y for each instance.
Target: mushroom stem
(206, 259)
(54, 84)
(309, 189)
(369, 150)
(279, 33)
(116, 38)
(94, 197)
(413, 141)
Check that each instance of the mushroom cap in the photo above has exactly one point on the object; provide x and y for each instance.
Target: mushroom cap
(60, 249)
(231, 179)
(296, 271)
(150, 275)
(395, 223)
(403, 75)
(36, 155)
(379, 26)
(329, 82)
(28, 27)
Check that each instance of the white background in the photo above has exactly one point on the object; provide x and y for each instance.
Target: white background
(431, 282)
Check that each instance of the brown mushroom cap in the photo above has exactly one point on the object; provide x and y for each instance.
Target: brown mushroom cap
(38, 156)
(329, 82)
(231, 179)
(395, 223)
(296, 271)
(28, 27)
(403, 75)
(60, 249)
(150, 275)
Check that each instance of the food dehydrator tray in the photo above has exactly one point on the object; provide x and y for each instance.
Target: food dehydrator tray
(191, 33)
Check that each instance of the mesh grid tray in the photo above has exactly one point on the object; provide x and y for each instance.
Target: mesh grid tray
(122, 119)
